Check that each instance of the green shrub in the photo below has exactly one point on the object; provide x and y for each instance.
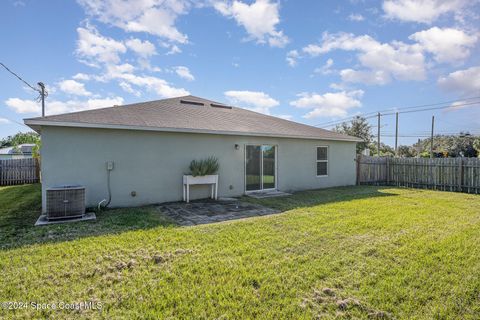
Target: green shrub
(204, 167)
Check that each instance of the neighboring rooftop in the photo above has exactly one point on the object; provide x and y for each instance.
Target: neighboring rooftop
(25, 148)
(187, 114)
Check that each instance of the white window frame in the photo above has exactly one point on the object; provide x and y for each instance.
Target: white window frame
(316, 161)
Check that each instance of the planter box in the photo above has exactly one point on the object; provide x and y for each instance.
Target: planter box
(191, 180)
(210, 179)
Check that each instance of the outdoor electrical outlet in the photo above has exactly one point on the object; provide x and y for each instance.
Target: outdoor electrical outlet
(109, 165)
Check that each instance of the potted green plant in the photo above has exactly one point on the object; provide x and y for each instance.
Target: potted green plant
(202, 172)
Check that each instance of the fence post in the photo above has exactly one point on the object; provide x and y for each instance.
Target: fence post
(387, 173)
(460, 175)
(37, 170)
(359, 158)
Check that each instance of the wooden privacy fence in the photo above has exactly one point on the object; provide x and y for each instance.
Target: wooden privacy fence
(449, 174)
(19, 171)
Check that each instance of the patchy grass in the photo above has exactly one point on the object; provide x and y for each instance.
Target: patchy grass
(20, 208)
(359, 252)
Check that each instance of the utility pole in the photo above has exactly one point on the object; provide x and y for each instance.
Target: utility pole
(431, 137)
(42, 96)
(396, 134)
(378, 136)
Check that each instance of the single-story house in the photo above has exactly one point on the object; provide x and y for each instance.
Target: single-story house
(151, 145)
(22, 151)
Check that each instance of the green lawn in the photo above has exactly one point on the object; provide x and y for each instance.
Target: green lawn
(347, 253)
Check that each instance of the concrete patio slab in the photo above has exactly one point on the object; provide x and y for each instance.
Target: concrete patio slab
(43, 221)
(209, 211)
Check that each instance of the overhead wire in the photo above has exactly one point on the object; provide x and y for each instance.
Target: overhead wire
(412, 109)
(25, 82)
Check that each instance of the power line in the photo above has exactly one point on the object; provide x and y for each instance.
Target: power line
(423, 135)
(374, 113)
(438, 132)
(412, 111)
(42, 92)
(424, 107)
(20, 78)
(15, 121)
(435, 108)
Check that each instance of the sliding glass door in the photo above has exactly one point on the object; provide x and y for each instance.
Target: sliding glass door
(260, 167)
(253, 168)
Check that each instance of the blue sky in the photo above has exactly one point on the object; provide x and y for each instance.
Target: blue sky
(308, 61)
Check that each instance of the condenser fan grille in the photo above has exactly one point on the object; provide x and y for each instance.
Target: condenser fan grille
(65, 202)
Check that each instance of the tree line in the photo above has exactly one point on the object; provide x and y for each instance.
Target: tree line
(462, 145)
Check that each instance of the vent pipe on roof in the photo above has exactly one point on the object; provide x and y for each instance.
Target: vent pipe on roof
(216, 105)
(196, 103)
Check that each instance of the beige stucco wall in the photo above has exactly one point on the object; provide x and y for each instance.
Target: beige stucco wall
(152, 163)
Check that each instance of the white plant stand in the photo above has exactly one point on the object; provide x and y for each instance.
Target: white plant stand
(189, 180)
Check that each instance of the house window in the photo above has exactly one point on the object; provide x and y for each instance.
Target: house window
(322, 161)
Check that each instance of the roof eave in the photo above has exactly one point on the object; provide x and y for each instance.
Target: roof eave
(36, 125)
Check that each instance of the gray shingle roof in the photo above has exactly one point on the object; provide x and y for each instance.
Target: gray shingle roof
(175, 114)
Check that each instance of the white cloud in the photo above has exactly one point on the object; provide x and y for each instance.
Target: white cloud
(459, 105)
(124, 74)
(292, 57)
(128, 88)
(156, 17)
(326, 68)
(73, 87)
(255, 100)
(465, 81)
(19, 3)
(424, 11)
(144, 49)
(4, 121)
(159, 86)
(259, 19)
(380, 63)
(95, 49)
(56, 106)
(378, 77)
(338, 86)
(92, 47)
(99, 51)
(392, 60)
(172, 48)
(184, 73)
(356, 17)
(23, 106)
(446, 45)
(113, 70)
(342, 41)
(81, 76)
(331, 104)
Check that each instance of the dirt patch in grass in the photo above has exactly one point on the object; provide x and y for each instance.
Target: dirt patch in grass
(327, 301)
